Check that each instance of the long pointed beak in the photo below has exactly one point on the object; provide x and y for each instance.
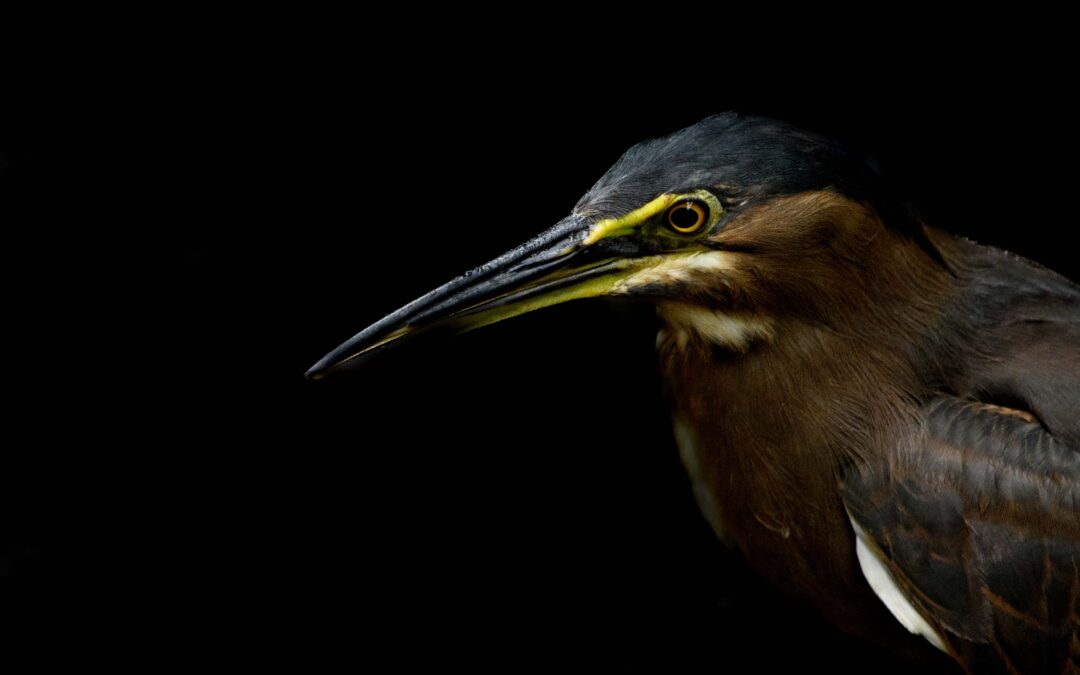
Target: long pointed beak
(555, 267)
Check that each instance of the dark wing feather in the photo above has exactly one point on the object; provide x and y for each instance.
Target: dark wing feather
(978, 521)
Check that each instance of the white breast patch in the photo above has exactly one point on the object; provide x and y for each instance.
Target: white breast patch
(690, 453)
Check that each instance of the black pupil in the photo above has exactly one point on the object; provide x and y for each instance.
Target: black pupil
(685, 218)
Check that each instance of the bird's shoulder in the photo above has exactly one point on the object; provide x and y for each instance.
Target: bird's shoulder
(1017, 325)
(972, 526)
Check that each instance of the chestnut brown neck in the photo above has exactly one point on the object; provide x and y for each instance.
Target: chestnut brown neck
(768, 429)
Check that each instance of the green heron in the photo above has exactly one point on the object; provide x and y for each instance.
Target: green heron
(883, 417)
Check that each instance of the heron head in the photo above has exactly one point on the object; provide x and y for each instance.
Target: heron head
(723, 225)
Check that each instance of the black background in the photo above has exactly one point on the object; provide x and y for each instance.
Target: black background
(191, 233)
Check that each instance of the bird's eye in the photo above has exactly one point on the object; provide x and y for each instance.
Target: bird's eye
(687, 217)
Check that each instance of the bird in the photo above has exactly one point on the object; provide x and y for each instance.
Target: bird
(881, 416)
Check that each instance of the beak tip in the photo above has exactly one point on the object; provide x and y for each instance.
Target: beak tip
(320, 370)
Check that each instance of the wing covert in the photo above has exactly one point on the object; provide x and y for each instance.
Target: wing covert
(977, 520)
